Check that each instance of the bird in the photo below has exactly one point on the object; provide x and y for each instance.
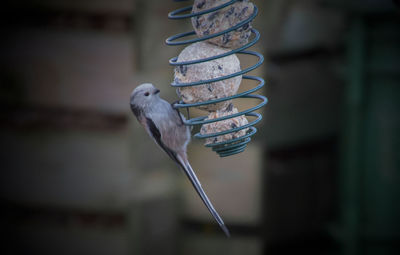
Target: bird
(165, 125)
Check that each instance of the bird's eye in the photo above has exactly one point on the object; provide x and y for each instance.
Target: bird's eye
(147, 94)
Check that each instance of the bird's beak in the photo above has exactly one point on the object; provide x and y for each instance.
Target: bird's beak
(156, 91)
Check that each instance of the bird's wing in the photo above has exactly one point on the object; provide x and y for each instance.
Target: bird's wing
(178, 112)
(155, 133)
(184, 164)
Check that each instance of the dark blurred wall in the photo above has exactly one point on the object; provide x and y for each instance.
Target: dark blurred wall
(332, 164)
(305, 60)
(71, 180)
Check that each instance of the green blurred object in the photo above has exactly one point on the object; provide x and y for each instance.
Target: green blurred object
(370, 162)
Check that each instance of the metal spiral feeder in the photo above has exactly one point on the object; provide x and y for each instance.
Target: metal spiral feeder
(237, 145)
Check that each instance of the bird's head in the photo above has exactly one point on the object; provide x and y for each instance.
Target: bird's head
(144, 95)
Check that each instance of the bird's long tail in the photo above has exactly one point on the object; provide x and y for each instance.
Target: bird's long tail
(196, 184)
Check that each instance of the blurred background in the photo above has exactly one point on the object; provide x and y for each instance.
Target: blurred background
(80, 176)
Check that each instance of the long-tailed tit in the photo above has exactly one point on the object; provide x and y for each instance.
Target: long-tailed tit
(165, 125)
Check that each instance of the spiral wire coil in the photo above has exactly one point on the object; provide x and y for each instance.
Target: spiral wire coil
(236, 145)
